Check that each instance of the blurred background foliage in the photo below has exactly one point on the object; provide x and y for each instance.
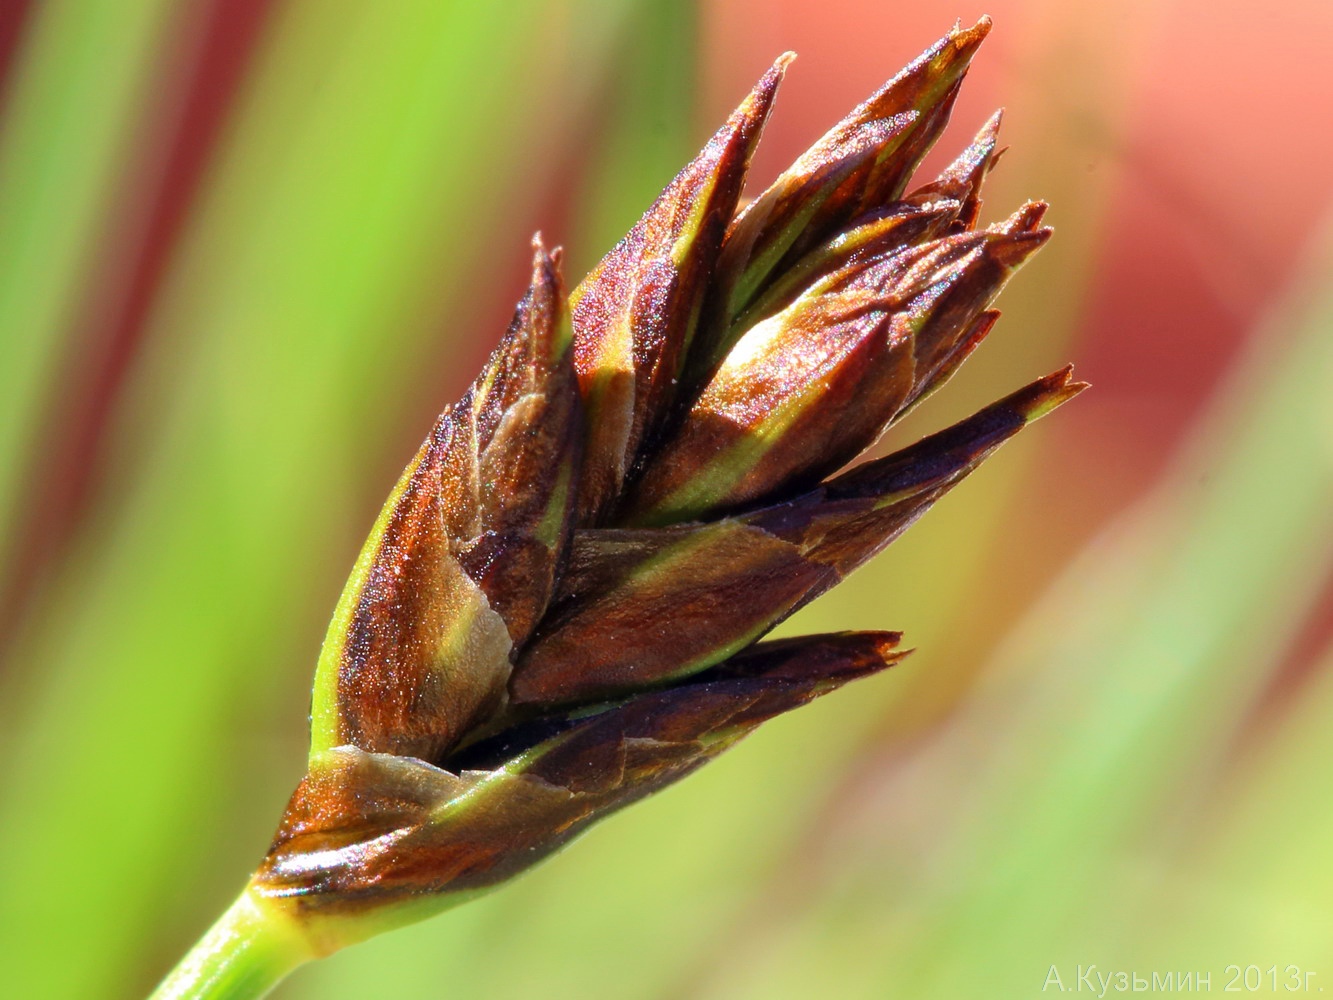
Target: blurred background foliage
(248, 248)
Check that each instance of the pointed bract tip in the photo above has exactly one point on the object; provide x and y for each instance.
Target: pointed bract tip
(962, 179)
(1025, 220)
(988, 137)
(754, 110)
(979, 330)
(947, 60)
(835, 657)
(886, 641)
(545, 262)
(1036, 400)
(966, 40)
(1013, 250)
(540, 255)
(887, 646)
(546, 281)
(979, 158)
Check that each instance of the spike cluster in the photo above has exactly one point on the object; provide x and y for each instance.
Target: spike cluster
(557, 611)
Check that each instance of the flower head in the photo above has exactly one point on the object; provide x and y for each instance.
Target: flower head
(559, 609)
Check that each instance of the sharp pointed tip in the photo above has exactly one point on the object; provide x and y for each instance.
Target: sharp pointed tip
(980, 153)
(962, 179)
(1061, 376)
(896, 656)
(889, 658)
(966, 40)
(989, 133)
(747, 122)
(941, 460)
(1036, 400)
(1025, 220)
(865, 653)
(544, 311)
(1067, 382)
(947, 60)
(545, 261)
(1012, 250)
(1033, 214)
(886, 645)
(545, 258)
(980, 328)
(761, 97)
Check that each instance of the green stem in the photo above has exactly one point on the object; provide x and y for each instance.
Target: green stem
(245, 954)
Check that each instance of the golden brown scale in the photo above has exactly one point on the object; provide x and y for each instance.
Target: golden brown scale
(634, 314)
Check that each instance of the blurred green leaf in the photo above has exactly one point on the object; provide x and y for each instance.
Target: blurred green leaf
(65, 134)
(371, 157)
(648, 127)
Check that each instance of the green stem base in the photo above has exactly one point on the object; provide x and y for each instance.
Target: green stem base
(245, 954)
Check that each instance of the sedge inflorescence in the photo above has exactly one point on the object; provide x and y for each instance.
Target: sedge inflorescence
(560, 608)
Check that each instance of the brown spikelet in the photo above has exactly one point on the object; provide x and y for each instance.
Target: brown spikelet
(635, 314)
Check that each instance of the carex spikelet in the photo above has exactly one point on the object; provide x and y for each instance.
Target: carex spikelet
(559, 609)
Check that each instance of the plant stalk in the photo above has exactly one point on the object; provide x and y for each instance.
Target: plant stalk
(250, 949)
